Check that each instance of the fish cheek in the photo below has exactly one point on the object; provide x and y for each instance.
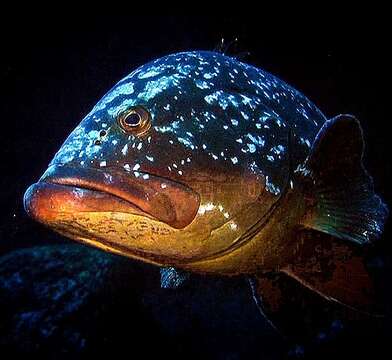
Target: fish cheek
(227, 188)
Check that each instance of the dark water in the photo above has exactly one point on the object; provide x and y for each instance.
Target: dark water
(66, 299)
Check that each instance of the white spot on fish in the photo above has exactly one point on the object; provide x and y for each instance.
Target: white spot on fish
(257, 140)
(155, 87)
(150, 73)
(124, 89)
(202, 84)
(186, 142)
(204, 208)
(125, 149)
(244, 115)
(209, 75)
(233, 226)
(108, 177)
(271, 187)
(251, 147)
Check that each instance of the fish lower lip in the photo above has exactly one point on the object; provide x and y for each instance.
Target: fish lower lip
(92, 189)
(44, 201)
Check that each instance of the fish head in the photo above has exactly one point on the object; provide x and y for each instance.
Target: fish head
(157, 170)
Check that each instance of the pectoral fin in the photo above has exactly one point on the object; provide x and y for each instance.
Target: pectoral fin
(340, 192)
(172, 278)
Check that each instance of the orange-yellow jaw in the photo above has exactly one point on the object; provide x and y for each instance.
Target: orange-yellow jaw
(122, 214)
(152, 219)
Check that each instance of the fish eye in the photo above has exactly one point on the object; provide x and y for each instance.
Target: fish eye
(132, 119)
(135, 120)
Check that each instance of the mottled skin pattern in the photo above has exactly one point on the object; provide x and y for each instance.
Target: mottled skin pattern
(231, 133)
(201, 103)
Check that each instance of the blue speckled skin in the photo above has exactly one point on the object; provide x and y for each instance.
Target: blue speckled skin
(200, 102)
(228, 131)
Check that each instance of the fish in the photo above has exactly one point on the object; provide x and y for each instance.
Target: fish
(199, 163)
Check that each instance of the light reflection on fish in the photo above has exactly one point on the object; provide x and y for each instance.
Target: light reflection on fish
(206, 164)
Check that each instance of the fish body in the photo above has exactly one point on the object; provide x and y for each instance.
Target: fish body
(204, 163)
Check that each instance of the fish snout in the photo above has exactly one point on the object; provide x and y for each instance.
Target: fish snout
(29, 200)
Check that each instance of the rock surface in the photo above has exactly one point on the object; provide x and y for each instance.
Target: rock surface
(70, 300)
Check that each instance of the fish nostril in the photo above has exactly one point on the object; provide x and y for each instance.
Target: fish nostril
(102, 133)
(97, 142)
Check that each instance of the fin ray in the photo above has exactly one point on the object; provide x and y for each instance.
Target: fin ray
(344, 203)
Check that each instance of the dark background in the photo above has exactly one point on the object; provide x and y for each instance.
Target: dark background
(52, 72)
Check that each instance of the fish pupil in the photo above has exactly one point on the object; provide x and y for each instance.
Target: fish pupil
(133, 119)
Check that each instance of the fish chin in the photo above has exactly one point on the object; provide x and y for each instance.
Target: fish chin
(98, 219)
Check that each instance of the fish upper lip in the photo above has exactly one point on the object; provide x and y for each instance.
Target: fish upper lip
(175, 204)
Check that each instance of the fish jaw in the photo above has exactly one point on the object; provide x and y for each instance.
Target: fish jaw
(126, 216)
(87, 189)
(47, 202)
(97, 219)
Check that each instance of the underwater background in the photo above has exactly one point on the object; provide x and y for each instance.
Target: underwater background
(59, 299)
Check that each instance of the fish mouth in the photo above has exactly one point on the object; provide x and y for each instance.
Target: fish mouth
(66, 189)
